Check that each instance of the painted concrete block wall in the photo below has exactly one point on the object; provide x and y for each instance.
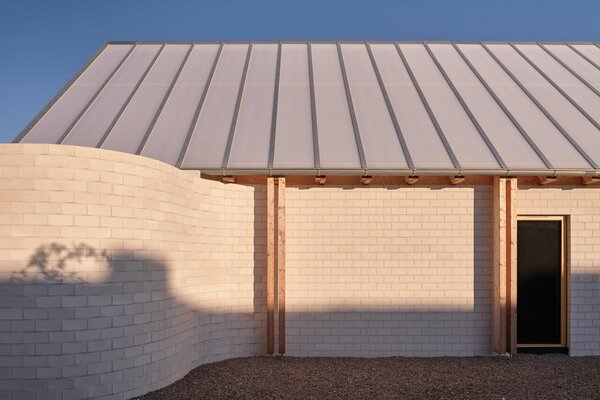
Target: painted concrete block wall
(582, 206)
(389, 271)
(119, 274)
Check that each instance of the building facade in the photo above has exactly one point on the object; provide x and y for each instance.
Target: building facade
(448, 213)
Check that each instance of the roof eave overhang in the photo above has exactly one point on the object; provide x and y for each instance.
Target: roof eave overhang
(398, 172)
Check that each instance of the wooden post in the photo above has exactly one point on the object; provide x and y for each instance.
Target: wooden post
(499, 266)
(504, 280)
(270, 265)
(511, 255)
(281, 262)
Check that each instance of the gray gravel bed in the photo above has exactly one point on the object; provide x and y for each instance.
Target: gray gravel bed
(520, 377)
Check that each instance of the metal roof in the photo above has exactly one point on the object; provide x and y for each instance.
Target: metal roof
(376, 108)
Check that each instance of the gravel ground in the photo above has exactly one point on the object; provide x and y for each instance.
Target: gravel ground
(520, 377)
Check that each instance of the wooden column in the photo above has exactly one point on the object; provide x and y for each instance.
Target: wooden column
(281, 262)
(511, 255)
(504, 266)
(270, 265)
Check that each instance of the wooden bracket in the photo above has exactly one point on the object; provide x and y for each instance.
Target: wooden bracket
(365, 180)
(320, 179)
(590, 180)
(544, 180)
(458, 179)
(411, 180)
(228, 179)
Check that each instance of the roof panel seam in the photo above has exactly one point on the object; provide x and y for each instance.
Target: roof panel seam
(273, 133)
(188, 139)
(359, 146)
(236, 110)
(506, 111)
(589, 60)
(131, 95)
(557, 87)
(428, 109)
(391, 111)
(541, 108)
(95, 96)
(571, 70)
(21, 135)
(462, 102)
(313, 109)
(161, 107)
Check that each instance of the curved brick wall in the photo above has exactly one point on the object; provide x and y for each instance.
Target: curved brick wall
(119, 274)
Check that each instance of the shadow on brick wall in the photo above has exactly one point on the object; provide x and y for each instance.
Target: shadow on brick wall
(78, 322)
(66, 335)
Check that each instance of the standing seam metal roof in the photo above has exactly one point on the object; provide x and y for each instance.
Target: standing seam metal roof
(359, 108)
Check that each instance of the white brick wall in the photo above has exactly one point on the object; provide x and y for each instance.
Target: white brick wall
(162, 272)
(119, 274)
(582, 206)
(384, 271)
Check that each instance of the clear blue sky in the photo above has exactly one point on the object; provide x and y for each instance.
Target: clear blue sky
(43, 42)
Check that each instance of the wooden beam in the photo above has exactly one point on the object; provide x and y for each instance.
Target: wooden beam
(320, 179)
(365, 180)
(590, 180)
(309, 180)
(411, 180)
(458, 179)
(544, 180)
(270, 265)
(281, 262)
(228, 179)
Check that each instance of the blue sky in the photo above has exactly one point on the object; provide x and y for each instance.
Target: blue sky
(43, 42)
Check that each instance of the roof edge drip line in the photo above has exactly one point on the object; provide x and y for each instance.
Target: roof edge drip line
(390, 108)
(571, 70)
(405, 172)
(131, 95)
(192, 126)
(359, 146)
(273, 133)
(506, 111)
(589, 60)
(23, 133)
(236, 110)
(466, 108)
(555, 86)
(428, 109)
(201, 42)
(542, 109)
(313, 110)
(95, 96)
(162, 104)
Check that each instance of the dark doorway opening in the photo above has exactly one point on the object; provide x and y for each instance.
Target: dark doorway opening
(541, 283)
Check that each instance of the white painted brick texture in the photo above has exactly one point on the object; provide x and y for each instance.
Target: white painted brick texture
(389, 271)
(119, 274)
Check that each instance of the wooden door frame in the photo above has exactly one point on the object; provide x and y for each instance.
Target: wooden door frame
(564, 275)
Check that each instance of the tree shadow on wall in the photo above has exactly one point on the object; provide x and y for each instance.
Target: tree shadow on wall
(49, 263)
(78, 322)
